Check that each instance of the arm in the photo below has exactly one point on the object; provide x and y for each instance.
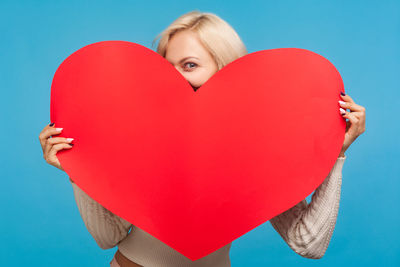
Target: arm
(308, 228)
(106, 228)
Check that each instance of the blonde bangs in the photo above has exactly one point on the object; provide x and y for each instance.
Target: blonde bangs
(220, 39)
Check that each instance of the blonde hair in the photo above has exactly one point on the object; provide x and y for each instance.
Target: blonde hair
(219, 38)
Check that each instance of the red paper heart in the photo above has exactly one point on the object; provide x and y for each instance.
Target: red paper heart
(198, 169)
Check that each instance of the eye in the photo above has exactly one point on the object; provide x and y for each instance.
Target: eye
(190, 64)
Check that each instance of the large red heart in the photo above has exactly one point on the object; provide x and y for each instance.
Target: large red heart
(198, 169)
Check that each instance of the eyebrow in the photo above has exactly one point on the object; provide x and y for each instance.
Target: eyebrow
(183, 59)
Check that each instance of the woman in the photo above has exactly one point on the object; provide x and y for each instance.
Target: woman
(198, 45)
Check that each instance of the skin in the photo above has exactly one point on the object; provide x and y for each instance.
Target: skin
(186, 53)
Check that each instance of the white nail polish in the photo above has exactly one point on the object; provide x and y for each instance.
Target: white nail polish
(70, 139)
(59, 129)
(342, 102)
(342, 111)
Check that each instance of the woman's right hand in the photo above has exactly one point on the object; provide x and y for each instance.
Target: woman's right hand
(51, 145)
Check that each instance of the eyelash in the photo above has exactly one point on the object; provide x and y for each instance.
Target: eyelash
(189, 63)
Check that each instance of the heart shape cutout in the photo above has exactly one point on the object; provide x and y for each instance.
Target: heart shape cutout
(197, 169)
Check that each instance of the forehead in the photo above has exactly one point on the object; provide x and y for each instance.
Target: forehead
(185, 44)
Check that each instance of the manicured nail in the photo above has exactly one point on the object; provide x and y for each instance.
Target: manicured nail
(71, 144)
(342, 102)
(51, 124)
(342, 111)
(342, 93)
(59, 129)
(69, 139)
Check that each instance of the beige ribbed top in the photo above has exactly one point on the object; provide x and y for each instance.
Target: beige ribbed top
(306, 228)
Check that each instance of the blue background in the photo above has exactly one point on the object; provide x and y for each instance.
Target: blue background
(40, 223)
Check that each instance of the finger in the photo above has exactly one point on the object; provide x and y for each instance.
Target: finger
(347, 98)
(351, 105)
(52, 158)
(46, 133)
(57, 140)
(48, 126)
(357, 114)
(354, 120)
(361, 121)
(53, 141)
(42, 138)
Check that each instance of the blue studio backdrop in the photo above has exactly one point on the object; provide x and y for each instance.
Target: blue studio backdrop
(40, 223)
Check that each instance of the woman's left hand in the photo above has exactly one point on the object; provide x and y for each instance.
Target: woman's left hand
(356, 124)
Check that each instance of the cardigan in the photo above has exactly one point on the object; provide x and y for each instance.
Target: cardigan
(306, 228)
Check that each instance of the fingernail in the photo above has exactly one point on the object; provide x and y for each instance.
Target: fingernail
(59, 129)
(342, 111)
(342, 93)
(342, 102)
(71, 144)
(51, 124)
(70, 139)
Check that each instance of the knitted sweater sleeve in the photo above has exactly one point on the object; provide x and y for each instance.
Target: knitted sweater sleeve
(105, 227)
(308, 228)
